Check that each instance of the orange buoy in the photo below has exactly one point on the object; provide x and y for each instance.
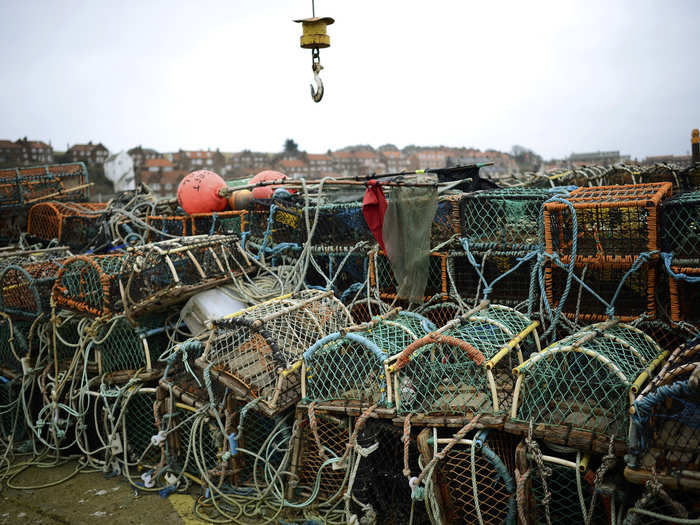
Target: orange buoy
(239, 200)
(198, 192)
(265, 192)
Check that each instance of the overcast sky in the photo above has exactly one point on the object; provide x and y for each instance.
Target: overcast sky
(554, 76)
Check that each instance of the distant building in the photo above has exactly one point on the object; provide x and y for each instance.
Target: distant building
(164, 183)
(10, 153)
(294, 168)
(319, 163)
(119, 168)
(89, 153)
(25, 152)
(597, 157)
(158, 165)
(140, 155)
(682, 160)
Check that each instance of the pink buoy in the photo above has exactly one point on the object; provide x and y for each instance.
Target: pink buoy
(198, 192)
(265, 192)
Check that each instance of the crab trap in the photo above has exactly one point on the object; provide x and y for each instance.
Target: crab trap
(25, 290)
(611, 223)
(473, 482)
(348, 370)
(508, 277)
(665, 431)
(504, 220)
(73, 224)
(26, 186)
(464, 369)
(578, 391)
(148, 277)
(570, 483)
(164, 227)
(680, 228)
(138, 421)
(257, 352)
(634, 296)
(684, 291)
(382, 280)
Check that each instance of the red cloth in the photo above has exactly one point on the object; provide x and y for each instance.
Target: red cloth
(373, 209)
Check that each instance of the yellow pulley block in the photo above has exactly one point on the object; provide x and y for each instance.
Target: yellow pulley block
(314, 37)
(314, 32)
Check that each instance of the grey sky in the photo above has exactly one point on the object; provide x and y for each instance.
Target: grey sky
(554, 76)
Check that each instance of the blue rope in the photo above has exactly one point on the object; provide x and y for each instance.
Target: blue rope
(668, 258)
(214, 216)
(643, 257)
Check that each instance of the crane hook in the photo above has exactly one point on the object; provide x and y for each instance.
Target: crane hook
(317, 94)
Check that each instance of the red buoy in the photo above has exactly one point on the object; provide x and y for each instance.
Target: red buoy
(198, 192)
(265, 192)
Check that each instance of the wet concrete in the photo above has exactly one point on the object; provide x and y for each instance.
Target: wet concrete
(85, 498)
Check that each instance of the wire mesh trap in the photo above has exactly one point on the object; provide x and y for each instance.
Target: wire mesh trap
(504, 220)
(25, 290)
(665, 430)
(26, 186)
(680, 228)
(257, 352)
(474, 482)
(168, 226)
(612, 222)
(577, 392)
(382, 280)
(73, 224)
(636, 295)
(148, 277)
(684, 292)
(350, 368)
(465, 368)
(511, 290)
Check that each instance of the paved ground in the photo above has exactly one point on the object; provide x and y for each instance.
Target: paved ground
(88, 498)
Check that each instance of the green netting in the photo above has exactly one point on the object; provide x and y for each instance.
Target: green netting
(503, 219)
(450, 374)
(203, 440)
(351, 367)
(583, 381)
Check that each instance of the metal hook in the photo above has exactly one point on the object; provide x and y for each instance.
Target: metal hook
(317, 94)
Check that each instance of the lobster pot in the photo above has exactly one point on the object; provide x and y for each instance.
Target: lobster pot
(149, 277)
(621, 175)
(230, 222)
(475, 479)
(685, 295)
(123, 348)
(257, 217)
(440, 312)
(13, 223)
(569, 471)
(21, 257)
(680, 228)
(13, 346)
(683, 508)
(466, 369)
(511, 290)
(73, 224)
(168, 226)
(635, 298)
(257, 352)
(668, 336)
(382, 280)
(447, 223)
(307, 461)
(25, 291)
(578, 391)
(504, 220)
(614, 222)
(25, 186)
(662, 173)
(349, 368)
(338, 270)
(138, 426)
(665, 432)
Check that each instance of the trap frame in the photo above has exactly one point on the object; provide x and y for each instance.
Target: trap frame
(73, 224)
(257, 352)
(612, 223)
(680, 228)
(148, 277)
(21, 187)
(578, 391)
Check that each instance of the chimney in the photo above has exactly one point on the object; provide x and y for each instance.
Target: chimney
(695, 145)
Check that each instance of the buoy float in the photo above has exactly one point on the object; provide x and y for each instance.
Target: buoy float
(265, 192)
(239, 200)
(198, 192)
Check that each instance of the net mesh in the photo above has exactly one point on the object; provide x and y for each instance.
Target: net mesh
(252, 353)
(178, 225)
(13, 344)
(487, 479)
(383, 281)
(26, 290)
(613, 221)
(446, 223)
(139, 426)
(338, 270)
(23, 186)
(449, 375)
(351, 367)
(503, 219)
(583, 382)
(685, 296)
(73, 224)
(230, 222)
